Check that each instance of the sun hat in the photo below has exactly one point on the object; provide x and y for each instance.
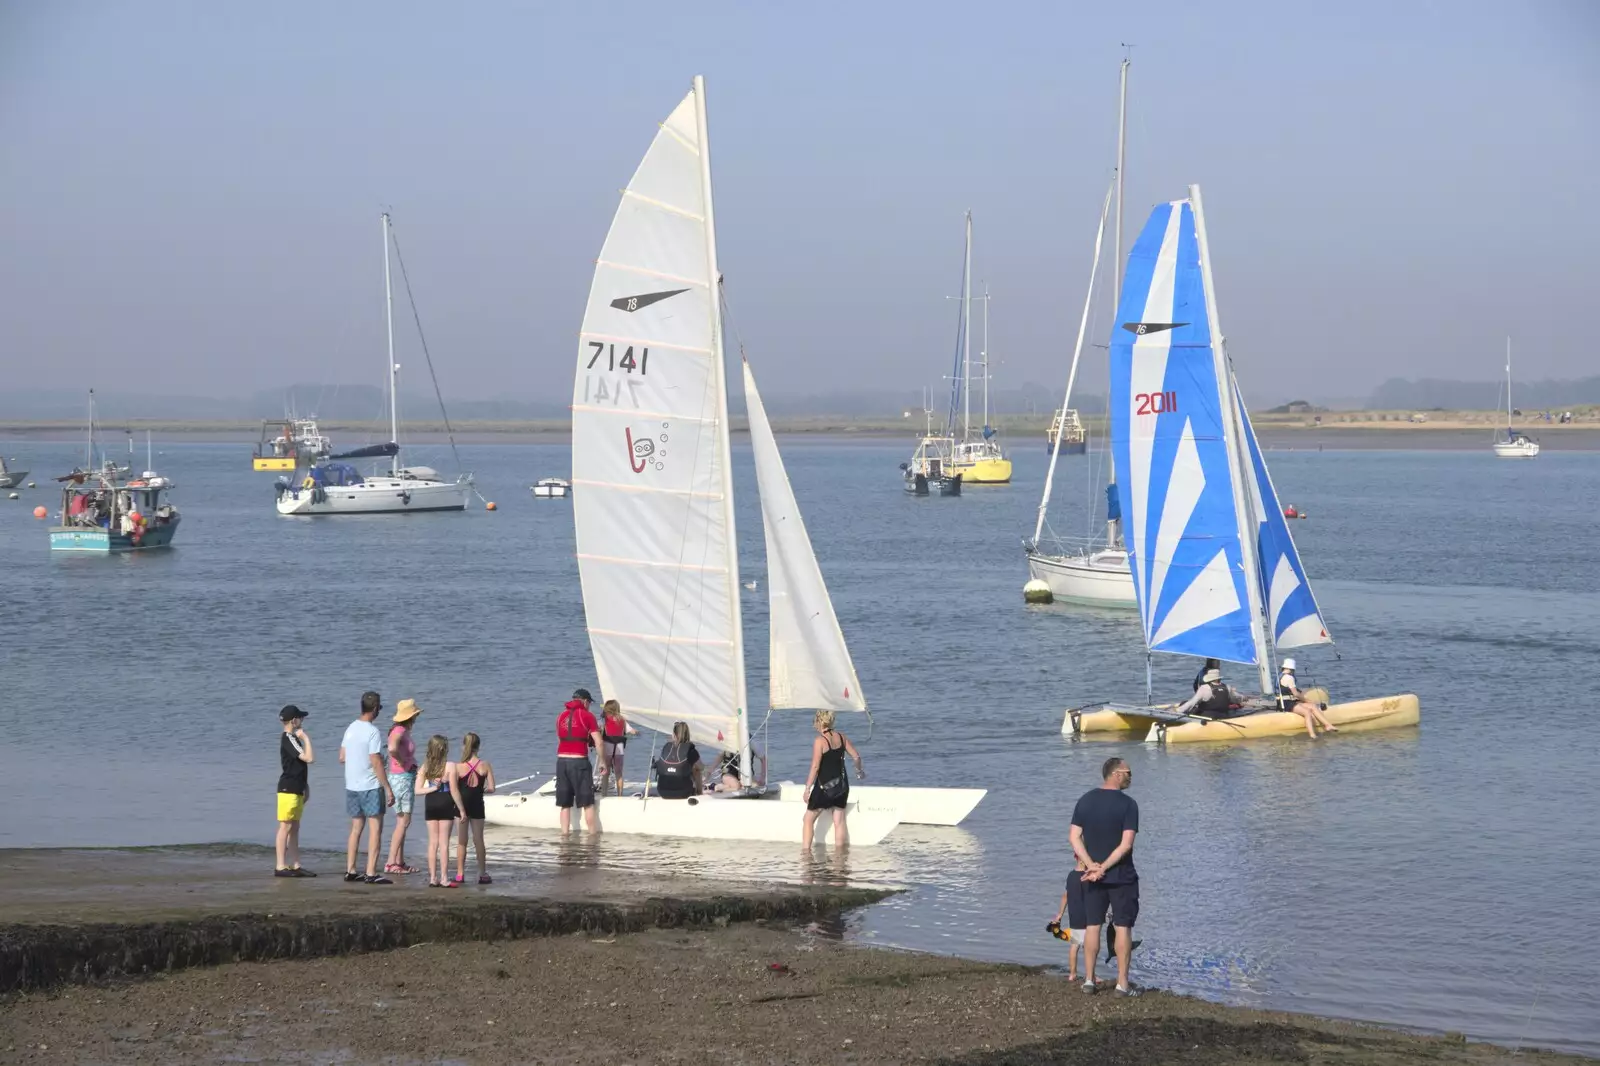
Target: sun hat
(406, 710)
(1288, 664)
(1212, 674)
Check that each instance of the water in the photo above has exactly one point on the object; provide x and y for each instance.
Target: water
(1442, 878)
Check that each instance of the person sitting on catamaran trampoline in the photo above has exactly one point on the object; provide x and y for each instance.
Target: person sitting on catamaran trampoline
(1213, 697)
(1289, 699)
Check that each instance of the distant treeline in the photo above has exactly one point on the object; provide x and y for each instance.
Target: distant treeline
(1429, 393)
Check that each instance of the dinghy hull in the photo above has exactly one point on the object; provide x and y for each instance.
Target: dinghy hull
(708, 817)
(1360, 716)
(912, 806)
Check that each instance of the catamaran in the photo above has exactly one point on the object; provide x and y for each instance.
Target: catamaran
(653, 506)
(1516, 444)
(945, 458)
(324, 485)
(1094, 572)
(1215, 569)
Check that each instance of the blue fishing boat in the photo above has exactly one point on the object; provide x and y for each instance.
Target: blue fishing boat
(106, 509)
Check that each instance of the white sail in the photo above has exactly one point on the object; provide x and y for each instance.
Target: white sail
(811, 665)
(652, 496)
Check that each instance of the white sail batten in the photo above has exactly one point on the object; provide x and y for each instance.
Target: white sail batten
(810, 664)
(659, 567)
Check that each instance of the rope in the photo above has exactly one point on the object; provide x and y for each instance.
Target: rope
(421, 337)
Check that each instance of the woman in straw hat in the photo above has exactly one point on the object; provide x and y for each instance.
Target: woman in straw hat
(402, 782)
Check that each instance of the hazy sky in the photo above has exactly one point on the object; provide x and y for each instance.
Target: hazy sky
(189, 192)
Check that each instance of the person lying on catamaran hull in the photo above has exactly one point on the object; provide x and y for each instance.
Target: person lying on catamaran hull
(1213, 697)
(1289, 699)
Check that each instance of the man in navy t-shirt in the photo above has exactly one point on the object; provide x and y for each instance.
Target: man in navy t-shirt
(1103, 827)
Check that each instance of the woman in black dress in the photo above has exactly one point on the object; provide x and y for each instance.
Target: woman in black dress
(827, 786)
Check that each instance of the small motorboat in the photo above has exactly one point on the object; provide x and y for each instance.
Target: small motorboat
(551, 488)
(9, 478)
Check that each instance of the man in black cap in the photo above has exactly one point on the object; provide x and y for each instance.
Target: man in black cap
(578, 732)
(294, 788)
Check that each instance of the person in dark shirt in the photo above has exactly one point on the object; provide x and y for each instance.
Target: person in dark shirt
(294, 788)
(678, 768)
(1103, 827)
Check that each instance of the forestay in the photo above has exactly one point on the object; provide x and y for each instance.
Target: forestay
(652, 499)
(1171, 443)
(1292, 611)
(810, 664)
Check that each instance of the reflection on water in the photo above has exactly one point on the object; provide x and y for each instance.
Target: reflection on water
(1372, 876)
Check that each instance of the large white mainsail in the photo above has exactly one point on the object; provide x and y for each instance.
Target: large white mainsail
(653, 506)
(811, 666)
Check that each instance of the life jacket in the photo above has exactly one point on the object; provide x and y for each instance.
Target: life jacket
(673, 769)
(566, 729)
(1219, 704)
(1286, 693)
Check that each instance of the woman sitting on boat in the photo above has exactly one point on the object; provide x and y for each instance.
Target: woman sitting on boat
(1289, 699)
(678, 769)
(827, 786)
(727, 774)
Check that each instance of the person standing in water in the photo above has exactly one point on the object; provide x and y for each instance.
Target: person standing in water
(827, 786)
(474, 777)
(615, 732)
(366, 789)
(402, 782)
(294, 789)
(1104, 824)
(577, 732)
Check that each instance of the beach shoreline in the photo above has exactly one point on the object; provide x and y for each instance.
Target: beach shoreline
(715, 973)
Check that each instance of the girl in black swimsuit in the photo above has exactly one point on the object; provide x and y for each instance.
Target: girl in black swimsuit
(474, 777)
(436, 783)
(827, 785)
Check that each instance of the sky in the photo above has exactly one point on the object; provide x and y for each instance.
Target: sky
(190, 191)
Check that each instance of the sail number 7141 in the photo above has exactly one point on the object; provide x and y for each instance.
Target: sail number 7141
(1154, 403)
(626, 361)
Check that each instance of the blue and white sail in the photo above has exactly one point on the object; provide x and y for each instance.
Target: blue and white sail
(1293, 618)
(1172, 441)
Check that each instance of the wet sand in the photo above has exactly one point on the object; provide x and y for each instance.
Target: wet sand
(743, 994)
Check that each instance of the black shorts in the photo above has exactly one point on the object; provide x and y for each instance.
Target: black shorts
(1076, 914)
(439, 807)
(1121, 900)
(574, 783)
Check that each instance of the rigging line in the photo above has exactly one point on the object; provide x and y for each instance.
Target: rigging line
(417, 318)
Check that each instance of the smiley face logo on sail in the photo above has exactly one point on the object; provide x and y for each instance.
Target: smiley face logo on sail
(646, 450)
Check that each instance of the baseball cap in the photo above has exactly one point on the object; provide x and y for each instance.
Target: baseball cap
(582, 694)
(290, 713)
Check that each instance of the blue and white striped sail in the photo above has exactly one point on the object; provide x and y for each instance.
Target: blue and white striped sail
(1293, 617)
(1175, 474)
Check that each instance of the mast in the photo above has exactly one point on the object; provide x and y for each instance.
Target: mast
(966, 339)
(1508, 388)
(1113, 525)
(1077, 351)
(88, 450)
(1238, 461)
(984, 354)
(719, 373)
(394, 371)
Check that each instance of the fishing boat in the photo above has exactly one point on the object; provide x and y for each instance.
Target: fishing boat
(928, 473)
(1515, 444)
(1066, 435)
(1215, 569)
(327, 484)
(653, 508)
(1091, 571)
(104, 510)
(10, 477)
(289, 443)
(976, 460)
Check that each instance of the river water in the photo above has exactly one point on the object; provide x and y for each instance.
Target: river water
(1441, 878)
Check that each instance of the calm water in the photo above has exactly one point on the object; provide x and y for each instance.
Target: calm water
(1441, 878)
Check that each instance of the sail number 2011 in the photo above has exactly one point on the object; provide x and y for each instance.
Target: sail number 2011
(1154, 403)
(627, 361)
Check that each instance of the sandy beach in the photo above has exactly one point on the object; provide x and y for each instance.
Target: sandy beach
(536, 972)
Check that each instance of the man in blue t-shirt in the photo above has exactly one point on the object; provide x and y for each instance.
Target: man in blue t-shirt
(1103, 827)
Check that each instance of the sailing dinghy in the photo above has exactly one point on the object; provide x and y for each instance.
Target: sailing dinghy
(653, 507)
(1215, 571)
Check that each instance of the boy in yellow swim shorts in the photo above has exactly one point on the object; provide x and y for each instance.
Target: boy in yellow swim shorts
(294, 788)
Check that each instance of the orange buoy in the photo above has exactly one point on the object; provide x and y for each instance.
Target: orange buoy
(1290, 512)
(39, 512)
(489, 506)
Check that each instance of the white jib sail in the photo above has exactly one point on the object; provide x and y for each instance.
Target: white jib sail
(811, 665)
(653, 500)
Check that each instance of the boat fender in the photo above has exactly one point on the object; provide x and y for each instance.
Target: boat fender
(309, 483)
(1037, 591)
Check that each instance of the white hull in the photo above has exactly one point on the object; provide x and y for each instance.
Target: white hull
(708, 817)
(1097, 579)
(1516, 449)
(913, 806)
(383, 494)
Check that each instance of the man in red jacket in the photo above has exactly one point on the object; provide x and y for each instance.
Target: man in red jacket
(577, 733)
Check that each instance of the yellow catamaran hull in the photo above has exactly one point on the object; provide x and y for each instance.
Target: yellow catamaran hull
(1385, 712)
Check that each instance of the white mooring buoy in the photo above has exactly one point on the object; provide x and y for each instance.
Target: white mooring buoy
(1037, 591)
